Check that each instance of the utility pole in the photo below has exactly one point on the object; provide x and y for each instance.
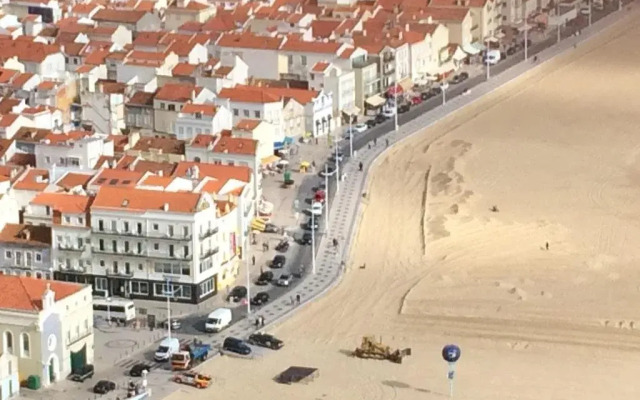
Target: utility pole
(395, 91)
(590, 11)
(558, 20)
(444, 87)
(526, 32)
(337, 165)
(168, 293)
(313, 243)
(326, 199)
(350, 138)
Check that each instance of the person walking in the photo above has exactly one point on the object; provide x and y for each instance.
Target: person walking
(360, 166)
(298, 298)
(335, 242)
(375, 141)
(546, 245)
(369, 145)
(387, 142)
(253, 260)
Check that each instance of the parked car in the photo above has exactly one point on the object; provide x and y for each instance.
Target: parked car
(265, 340)
(270, 228)
(436, 90)
(104, 387)
(358, 128)
(464, 76)
(138, 370)
(265, 278)
(404, 108)
(260, 298)
(284, 280)
(455, 80)
(82, 374)
(371, 123)
(316, 208)
(283, 246)
(175, 324)
(237, 293)
(512, 50)
(329, 170)
(426, 95)
(415, 100)
(334, 157)
(380, 118)
(306, 238)
(278, 261)
(389, 113)
(309, 225)
(236, 346)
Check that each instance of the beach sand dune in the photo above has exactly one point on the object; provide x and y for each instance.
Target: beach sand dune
(557, 152)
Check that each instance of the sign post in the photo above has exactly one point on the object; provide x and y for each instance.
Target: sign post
(451, 354)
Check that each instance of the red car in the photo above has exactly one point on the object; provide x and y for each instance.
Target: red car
(416, 100)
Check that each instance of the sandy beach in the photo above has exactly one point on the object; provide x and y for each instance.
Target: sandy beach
(557, 151)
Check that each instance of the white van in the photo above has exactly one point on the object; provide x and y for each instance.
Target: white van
(218, 320)
(167, 347)
(492, 57)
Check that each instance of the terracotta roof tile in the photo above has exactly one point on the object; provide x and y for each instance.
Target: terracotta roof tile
(183, 69)
(202, 140)
(72, 179)
(116, 178)
(220, 172)
(178, 92)
(142, 99)
(204, 109)
(64, 203)
(236, 146)
(23, 159)
(247, 125)
(320, 66)
(35, 180)
(121, 16)
(25, 294)
(144, 200)
(166, 145)
(248, 95)
(249, 41)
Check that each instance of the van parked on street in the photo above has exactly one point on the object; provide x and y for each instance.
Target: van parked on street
(218, 320)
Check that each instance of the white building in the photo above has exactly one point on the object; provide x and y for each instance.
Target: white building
(247, 102)
(68, 217)
(341, 83)
(142, 238)
(196, 119)
(69, 152)
(47, 325)
(260, 53)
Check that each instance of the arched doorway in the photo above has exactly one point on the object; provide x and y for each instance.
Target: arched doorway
(53, 368)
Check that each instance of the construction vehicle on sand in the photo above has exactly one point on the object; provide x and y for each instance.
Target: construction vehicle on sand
(371, 348)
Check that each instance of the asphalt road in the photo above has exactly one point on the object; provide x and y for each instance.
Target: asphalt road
(301, 255)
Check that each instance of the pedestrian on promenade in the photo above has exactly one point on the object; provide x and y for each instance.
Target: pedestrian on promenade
(262, 321)
(369, 145)
(253, 260)
(267, 246)
(546, 245)
(313, 164)
(298, 298)
(387, 142)
(264, 246)
(292, 300)
(375, 141)
(360, 166)
(535, 59)
(335, 242)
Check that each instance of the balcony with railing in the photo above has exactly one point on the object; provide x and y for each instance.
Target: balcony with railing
(142, 254)
(208, 233)
(209, 253)
(120, 273)
(71, 247)
(154, 235)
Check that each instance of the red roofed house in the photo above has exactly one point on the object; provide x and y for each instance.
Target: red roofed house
(302, 55)
(196, 119)
(248, 102)
(38, 58)
(187, 10)
(46, 324)
(134, 21)
(141, 68)
(11, 123)
(73, 151)
(50, 9)
(170, 99)
(67, 215)
(218, 74)
(260, 53)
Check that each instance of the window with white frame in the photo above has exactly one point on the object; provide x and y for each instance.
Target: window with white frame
(140, 288)
(101, 283)
(8, 342)
(25, 345)
(207, 287)
(174, 290)
(38, 257)
(8, 254)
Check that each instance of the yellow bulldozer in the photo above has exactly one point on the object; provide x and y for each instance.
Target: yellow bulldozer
(371, 348)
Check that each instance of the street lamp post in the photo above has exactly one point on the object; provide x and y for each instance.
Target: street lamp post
(246, 263)
(444, 87)
(168, 293)
(395, 92)
(337, 167)
(350, 138)
(590, 11)
(313, 243)
(326, 199)
(108, 310)
(488, 68)
(558, 20)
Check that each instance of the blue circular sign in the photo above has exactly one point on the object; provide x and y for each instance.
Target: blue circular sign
(451, 353)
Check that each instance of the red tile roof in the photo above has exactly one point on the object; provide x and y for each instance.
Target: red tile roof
(26, 50)
(249, 41)
(166, 145)
(72, 179)
(25, 294)
(247, 125)
(120, 16)
(144, 200)
(204, 109)
(248, 95)
(116, 178)
(220, 172)
(178, 92)
(183, 69)
(202, 140)
(65, 203)
(236, 146)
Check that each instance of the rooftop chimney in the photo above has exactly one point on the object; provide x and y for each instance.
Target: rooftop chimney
(166, 207)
